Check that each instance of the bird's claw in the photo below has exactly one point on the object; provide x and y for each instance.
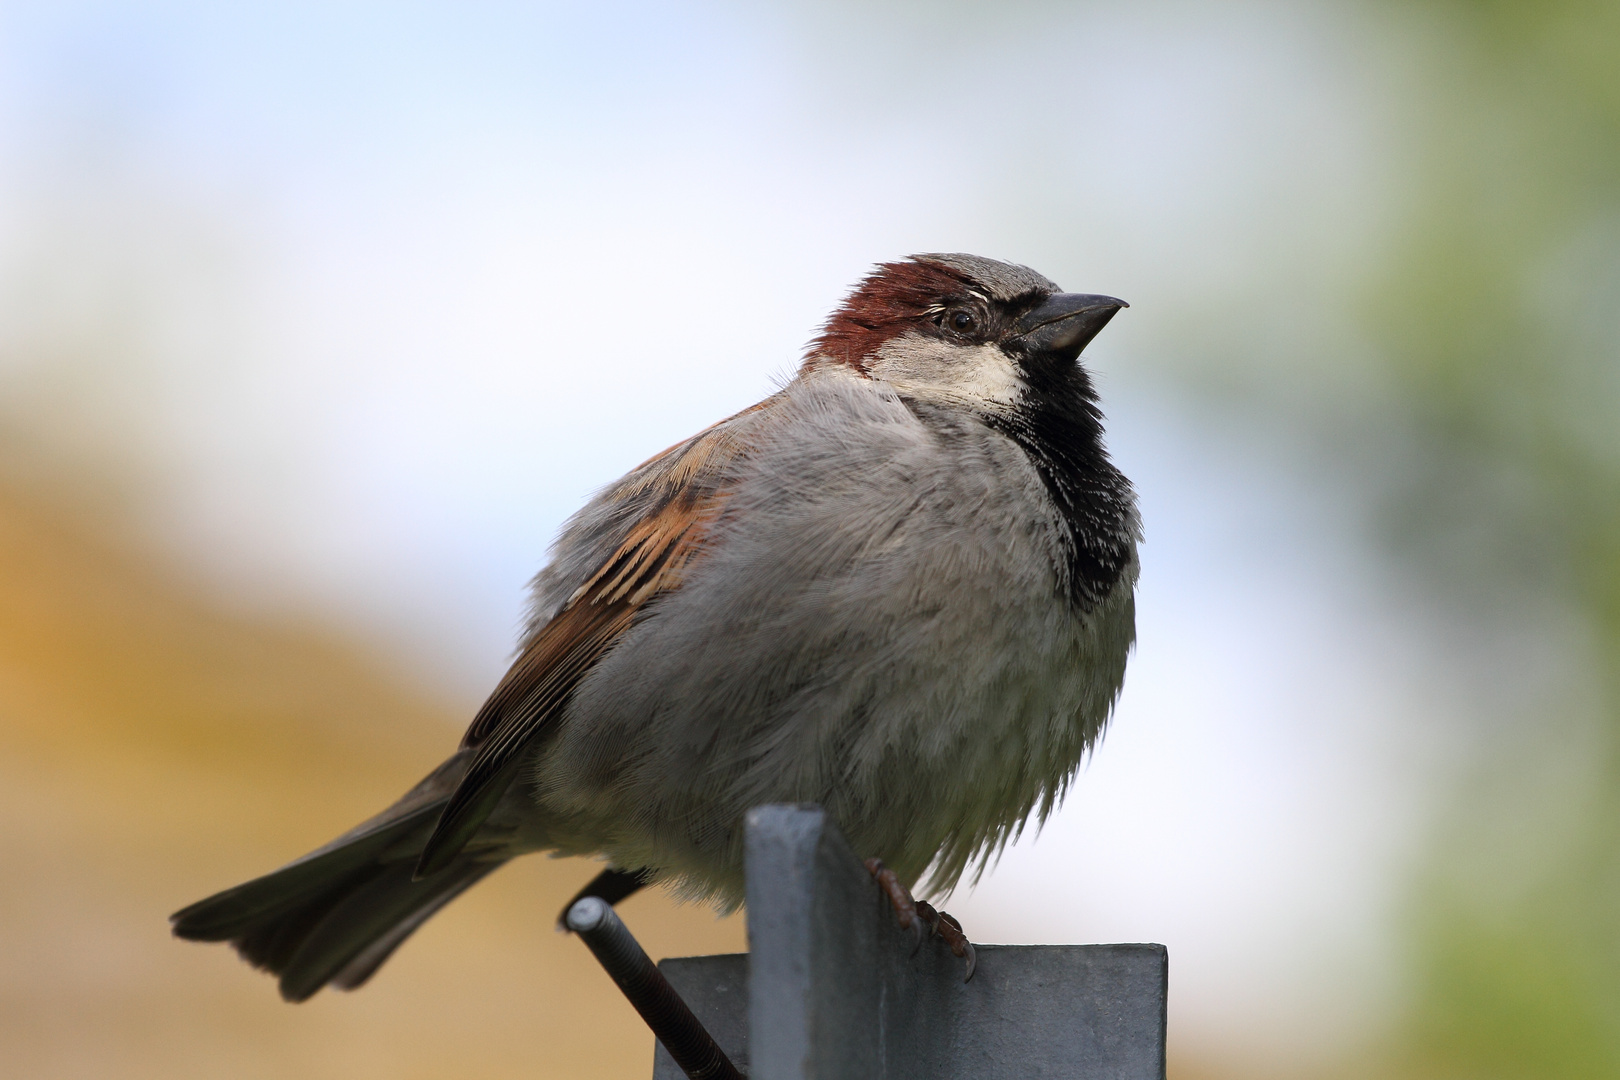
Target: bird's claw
(960, 945)
(917, 936)
(913, 915)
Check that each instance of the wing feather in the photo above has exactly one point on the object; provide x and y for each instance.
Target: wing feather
(687, 485)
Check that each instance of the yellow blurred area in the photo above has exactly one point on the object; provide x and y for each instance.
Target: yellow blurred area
(156, 747)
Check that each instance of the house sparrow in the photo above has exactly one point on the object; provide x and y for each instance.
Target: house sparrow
(900, 587)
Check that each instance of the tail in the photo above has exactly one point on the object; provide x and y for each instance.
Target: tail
(336, 914)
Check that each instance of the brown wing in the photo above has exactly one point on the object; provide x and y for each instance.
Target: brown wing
(684, 483)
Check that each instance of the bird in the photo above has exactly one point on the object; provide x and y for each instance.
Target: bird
(902, 586)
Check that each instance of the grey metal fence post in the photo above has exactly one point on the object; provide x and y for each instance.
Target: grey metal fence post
(831, 990)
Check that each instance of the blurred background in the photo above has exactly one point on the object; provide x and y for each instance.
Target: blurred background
(316, 321)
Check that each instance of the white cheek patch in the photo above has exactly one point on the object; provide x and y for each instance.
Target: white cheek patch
(929, 367)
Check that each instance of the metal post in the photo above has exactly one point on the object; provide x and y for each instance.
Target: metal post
(837, 991)
(833, 989)
(623, 958)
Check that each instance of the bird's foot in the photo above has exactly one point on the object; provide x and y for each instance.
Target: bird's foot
(944, 924)
(914, 915)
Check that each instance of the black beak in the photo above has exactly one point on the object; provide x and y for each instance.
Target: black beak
(1065, 324)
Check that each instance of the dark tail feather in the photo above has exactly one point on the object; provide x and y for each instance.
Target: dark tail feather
(336, 914)
(355, 935)
(363, 966)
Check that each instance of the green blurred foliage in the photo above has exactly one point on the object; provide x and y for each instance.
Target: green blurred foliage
(1497, 312)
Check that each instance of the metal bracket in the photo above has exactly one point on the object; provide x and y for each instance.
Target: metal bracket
(831, 990)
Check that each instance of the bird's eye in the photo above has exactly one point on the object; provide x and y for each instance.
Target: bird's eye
(962, 322)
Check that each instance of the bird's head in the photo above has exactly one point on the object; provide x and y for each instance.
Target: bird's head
(961, 329)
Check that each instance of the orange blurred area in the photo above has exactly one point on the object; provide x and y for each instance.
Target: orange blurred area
(156, 747)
